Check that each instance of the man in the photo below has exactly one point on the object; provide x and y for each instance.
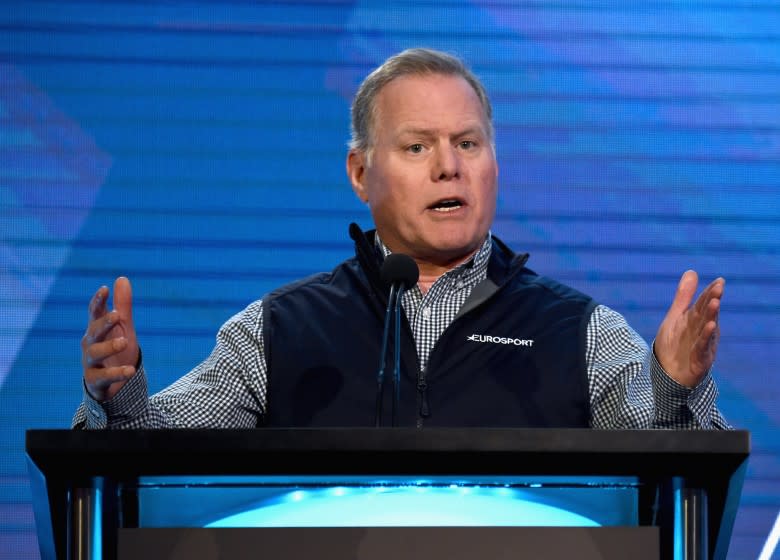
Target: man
(486, 341)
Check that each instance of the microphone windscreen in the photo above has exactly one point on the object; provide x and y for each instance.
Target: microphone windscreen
(400, 268)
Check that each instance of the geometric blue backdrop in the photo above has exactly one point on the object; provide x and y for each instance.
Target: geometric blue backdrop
(199, 149)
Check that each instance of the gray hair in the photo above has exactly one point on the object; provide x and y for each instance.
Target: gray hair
(417, 62)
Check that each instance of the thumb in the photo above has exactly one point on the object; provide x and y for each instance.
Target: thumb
(123, 298)
(685, 292)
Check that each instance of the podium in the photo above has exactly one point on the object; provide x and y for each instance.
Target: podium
(91, 488)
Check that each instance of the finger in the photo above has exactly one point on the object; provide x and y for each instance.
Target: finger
(97, 305)
(713, 310)
(708, 317)
(717, 288)
(713, 292)
(123, 298)
(99, 328)
(96, 353)
(706, 346)
(684, 295)
(699, 318)
(103, 377)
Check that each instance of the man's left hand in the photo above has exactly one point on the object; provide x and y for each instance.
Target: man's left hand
(687, 339)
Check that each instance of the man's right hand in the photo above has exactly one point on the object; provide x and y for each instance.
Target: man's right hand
(109, 348)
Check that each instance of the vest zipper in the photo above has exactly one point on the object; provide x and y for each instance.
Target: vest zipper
(422, 389)
(422, 385)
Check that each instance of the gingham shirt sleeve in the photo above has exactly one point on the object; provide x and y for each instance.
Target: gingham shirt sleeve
(227, 390)
(630, 390)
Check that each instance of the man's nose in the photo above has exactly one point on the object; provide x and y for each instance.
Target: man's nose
(446, 163)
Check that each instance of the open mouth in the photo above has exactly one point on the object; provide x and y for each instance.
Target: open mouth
(446, 205)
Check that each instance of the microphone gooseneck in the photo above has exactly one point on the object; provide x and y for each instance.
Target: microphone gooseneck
(400, 272)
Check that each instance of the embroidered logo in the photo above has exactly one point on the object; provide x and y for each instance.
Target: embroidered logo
(500, 340)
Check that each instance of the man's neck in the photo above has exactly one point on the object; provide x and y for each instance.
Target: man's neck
(430, 272)
(425, 283)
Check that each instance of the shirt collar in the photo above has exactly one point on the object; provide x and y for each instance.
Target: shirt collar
(475, 267)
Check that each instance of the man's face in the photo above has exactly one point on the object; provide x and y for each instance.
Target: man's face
(431, 183)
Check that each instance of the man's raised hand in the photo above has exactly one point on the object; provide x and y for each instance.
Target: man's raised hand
(109, 347)
(687, 339)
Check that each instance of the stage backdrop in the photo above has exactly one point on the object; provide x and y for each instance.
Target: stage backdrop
(198, 148)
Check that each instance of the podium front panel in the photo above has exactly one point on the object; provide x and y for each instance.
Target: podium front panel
(685, 486)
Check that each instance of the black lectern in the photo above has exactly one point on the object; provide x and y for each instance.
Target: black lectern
(88, 487)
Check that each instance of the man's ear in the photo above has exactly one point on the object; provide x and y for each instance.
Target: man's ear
(356, 171)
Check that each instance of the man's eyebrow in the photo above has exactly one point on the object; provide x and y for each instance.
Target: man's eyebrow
(415, 131)
(429, 132)
(468, 131)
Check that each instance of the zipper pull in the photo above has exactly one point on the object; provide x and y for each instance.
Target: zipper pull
(422, 386)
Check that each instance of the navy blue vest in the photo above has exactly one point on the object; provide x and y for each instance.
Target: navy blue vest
(513, 357)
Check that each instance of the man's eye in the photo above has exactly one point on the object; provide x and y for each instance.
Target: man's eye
(415, 148)
(468, 144)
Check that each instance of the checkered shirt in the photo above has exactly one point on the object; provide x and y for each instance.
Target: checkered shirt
(628, 388)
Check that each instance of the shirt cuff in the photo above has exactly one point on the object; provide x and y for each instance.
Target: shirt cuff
(129, 403)
(676, 404)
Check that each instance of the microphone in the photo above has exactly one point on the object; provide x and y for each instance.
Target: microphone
(399, 269)
(400, 272)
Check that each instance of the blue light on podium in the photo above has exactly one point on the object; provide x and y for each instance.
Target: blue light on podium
(405, 506)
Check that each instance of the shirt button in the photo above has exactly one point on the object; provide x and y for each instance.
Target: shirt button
(426, 313)
(459, 284)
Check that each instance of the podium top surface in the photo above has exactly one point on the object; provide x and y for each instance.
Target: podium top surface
(360, 451)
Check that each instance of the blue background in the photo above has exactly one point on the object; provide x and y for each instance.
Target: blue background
(199, 147)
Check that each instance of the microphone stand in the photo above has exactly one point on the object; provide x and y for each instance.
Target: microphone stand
(398, 271)
(397, 357)
(391, 303)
